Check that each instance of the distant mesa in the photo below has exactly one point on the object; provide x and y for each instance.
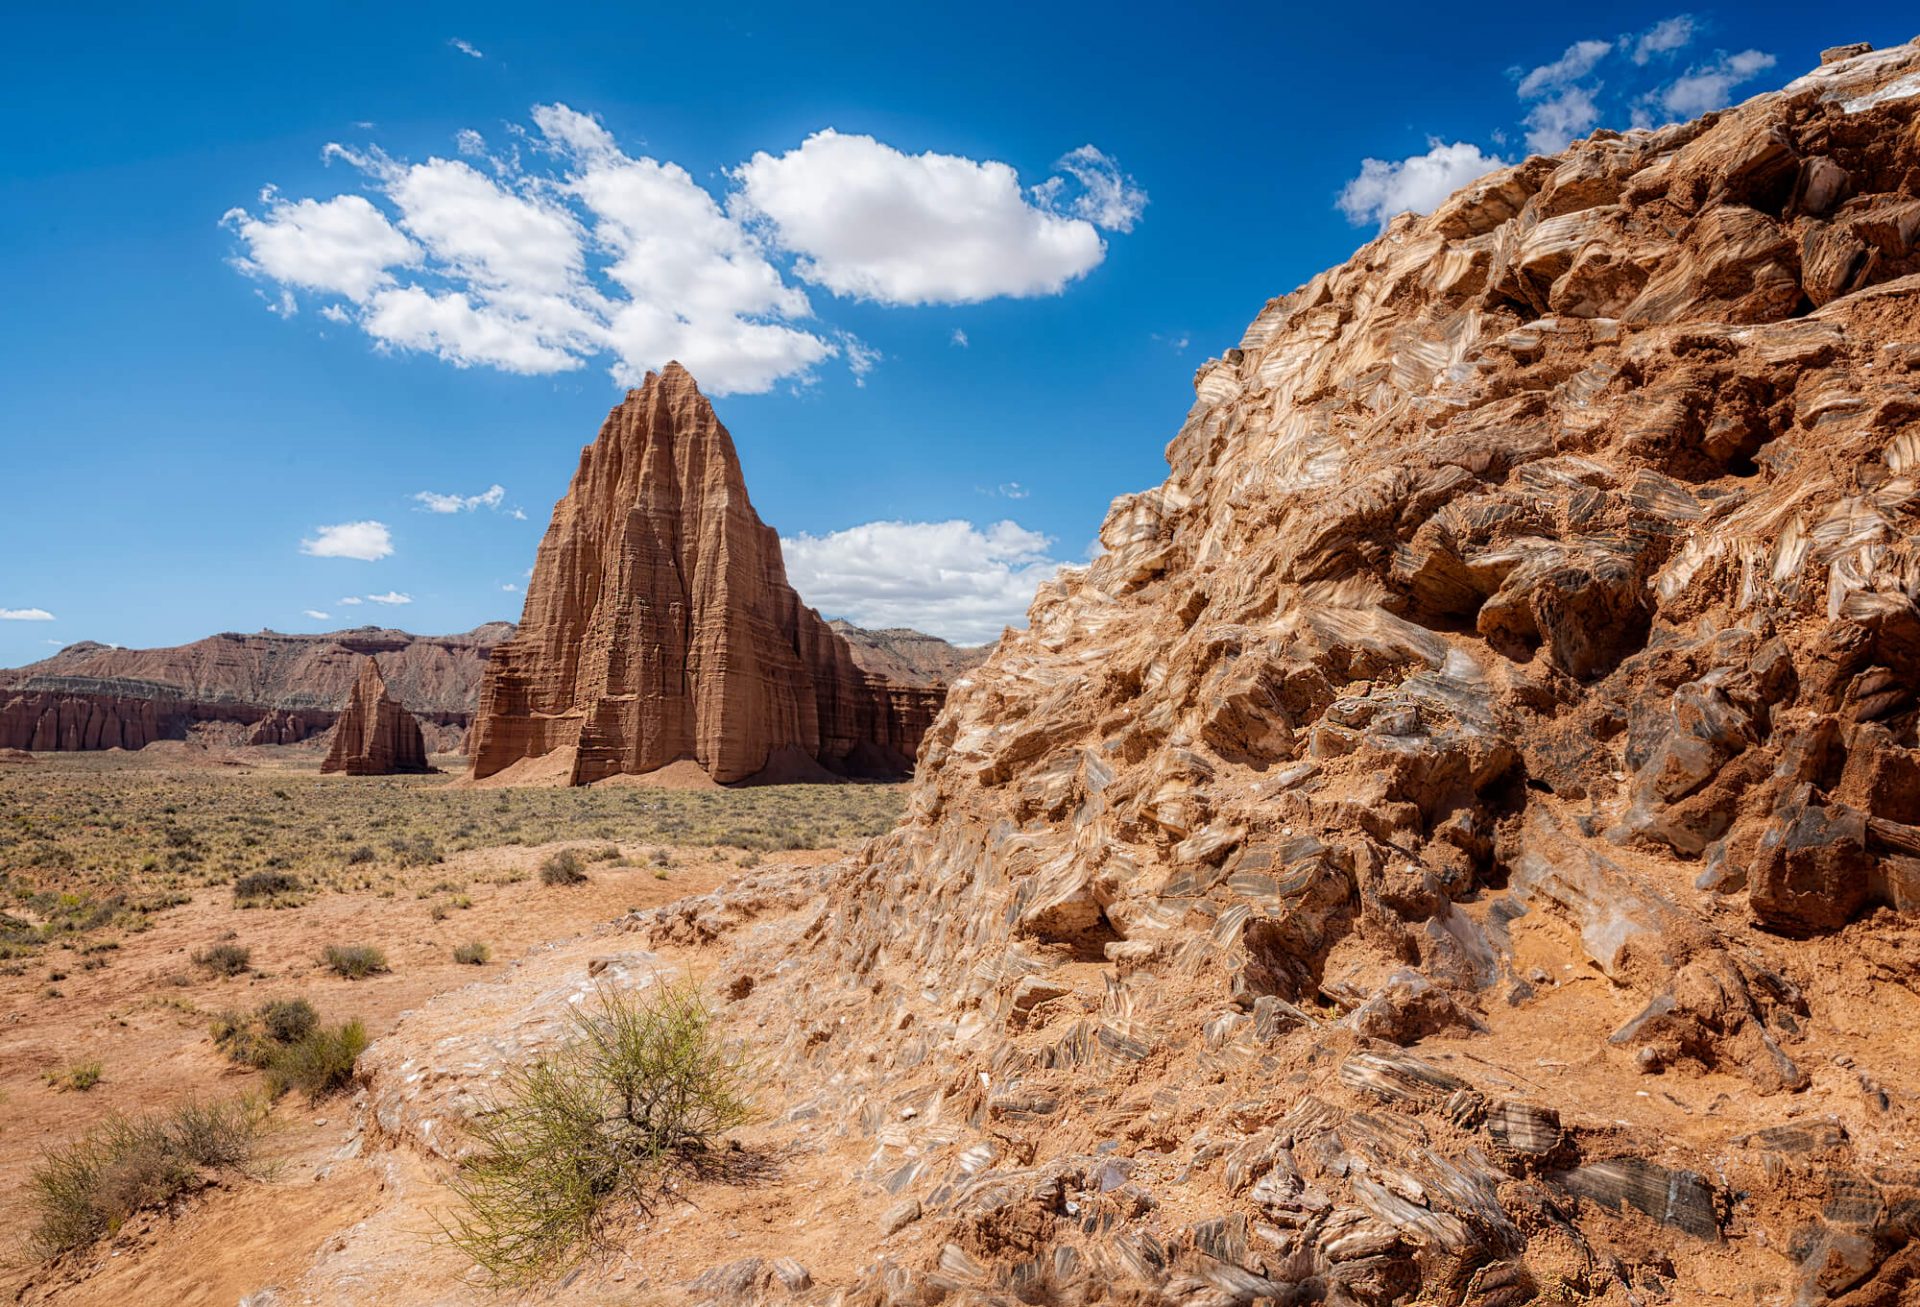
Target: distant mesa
(375, 736)
(659, 627)
(231, 689)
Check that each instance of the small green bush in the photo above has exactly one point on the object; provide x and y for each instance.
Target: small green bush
(223, 959)
(320, 1062)
(475, 954)
(642, 1085)
(354, 961)
(285, 1039)
(87, 1188)
(563, 867)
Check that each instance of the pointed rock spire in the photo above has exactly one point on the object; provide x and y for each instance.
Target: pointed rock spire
(659, 625)
(375, 736)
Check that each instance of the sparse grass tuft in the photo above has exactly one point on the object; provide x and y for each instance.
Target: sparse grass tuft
(87, 1188)
(474, 954)
(80, 1077)
(643, 1085)
(354, 961)
(563, 867)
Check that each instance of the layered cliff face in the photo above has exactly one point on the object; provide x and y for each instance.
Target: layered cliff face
(1459, 840)
(659, 625)
(907, 657)
(374, 735)
(256, 689)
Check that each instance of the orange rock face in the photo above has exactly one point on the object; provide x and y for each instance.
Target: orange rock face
(659, 625)
(375, 736)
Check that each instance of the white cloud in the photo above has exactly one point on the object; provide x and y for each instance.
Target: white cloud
(1094, 188)
(951, 579)
(870, 222)
(390, 597)
(465, 48)
(315, 614)
(959, 338)
(1576, 63)
(510, 588)
(344, 246)
(1710, 86)
(1005, 490)
(25, 615)
(433, 502)
(1664, 37)
(1566, 107)
(1555, 122)
(350, 600)
(518, 514)
(366, 541)
(1419, 184)
(594, 253)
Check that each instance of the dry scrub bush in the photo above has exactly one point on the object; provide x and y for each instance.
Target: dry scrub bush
(475, 954)
(563, 867)
(354, 961)
(643, 1084)
(88, 1188)
(223, 959)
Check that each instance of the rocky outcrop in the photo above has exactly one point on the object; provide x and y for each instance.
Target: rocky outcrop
(1455, 843)
(255, 689)
(659, 625)
(374, 735)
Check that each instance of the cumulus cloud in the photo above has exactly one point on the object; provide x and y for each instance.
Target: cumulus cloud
(1418, 184)
(315, 614)
(1710, 86)
(1664, 37)
(433, 502)
(25, 615)
(344, 245)
(465, 48)
(1566, 105)
(390, 597)
(870, 222)
(590, 253)
(951, 579)
(366, 541)
(350, 600)
(1555, 122)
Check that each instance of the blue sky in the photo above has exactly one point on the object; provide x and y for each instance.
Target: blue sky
(274, 270)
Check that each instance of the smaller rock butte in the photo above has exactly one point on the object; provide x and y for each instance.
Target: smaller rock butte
(660, 626)
(375, 736)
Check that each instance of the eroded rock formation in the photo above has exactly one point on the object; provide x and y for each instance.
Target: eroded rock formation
(1458, 842)
(267, 688)
(659, 625)
(374, 735)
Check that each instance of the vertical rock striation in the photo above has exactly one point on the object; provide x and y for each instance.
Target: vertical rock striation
(659, 625)
(375, 736)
